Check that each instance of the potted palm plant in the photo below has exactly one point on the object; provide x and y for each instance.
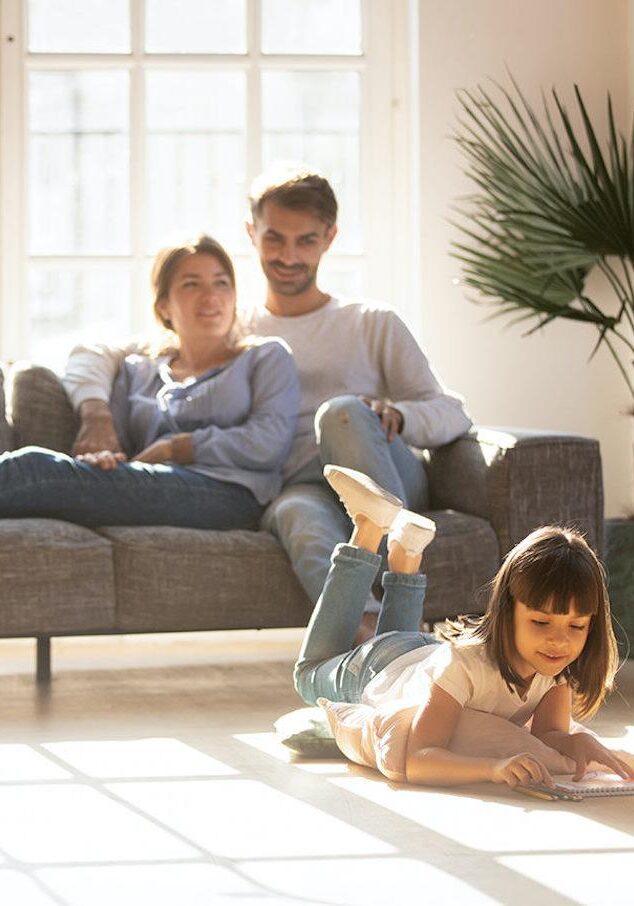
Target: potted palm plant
(552, 203)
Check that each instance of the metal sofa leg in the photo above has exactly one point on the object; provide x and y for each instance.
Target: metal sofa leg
(43, 659)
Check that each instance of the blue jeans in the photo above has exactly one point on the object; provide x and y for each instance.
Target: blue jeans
(327, 665)
(307, 517)
(38, 482)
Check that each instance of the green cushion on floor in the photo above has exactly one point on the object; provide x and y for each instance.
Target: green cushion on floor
(307, 732)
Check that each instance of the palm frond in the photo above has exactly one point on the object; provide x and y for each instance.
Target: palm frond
(550, 203)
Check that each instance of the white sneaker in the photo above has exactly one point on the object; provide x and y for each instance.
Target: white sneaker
(413, 532)
(363, 497)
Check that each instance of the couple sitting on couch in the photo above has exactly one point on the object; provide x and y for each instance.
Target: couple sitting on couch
(206, 430)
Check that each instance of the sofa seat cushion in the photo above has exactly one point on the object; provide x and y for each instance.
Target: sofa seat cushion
(56, 578)
(462, 559)
(188, 579)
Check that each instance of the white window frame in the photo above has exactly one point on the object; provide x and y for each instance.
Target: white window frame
(389, 151)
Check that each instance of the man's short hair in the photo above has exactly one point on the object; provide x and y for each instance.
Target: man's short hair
(297, 188)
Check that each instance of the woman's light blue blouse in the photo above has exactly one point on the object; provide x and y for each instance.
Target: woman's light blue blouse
(242, 416)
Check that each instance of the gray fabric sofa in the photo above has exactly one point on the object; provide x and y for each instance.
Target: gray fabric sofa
(488, 490)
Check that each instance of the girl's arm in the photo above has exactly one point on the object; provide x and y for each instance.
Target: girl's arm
(551, 724)
(428, 760)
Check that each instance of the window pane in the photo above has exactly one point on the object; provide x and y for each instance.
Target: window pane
(311, 26)
(79, 26)
(197, 26)
(78, 162)
(72, 305)
(313, 118)
(195, 156)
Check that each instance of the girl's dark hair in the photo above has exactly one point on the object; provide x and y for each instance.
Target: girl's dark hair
(554, 569)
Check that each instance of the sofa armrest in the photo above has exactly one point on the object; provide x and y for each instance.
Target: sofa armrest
(40, 410)
(6, 434)
(519, 479)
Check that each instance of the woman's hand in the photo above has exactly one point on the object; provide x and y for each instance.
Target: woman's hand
(104, 459)
(159, 451)
(584, 748)
(520, 769)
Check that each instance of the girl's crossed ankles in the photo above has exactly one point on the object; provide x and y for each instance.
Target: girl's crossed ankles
(543, 650)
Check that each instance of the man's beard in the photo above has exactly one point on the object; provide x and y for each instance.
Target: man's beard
(300, 280)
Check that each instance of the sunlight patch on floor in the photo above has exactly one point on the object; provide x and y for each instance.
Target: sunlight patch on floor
(160, 885)
(487, 825)
(73, 823)
(150, 757)
(20, 762)
(372, 882)
(257, 820)
(18, 890)
(594, 879)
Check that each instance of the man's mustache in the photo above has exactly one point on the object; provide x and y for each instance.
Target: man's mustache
(291, 268)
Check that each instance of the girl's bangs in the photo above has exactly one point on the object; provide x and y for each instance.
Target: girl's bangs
(558, 587)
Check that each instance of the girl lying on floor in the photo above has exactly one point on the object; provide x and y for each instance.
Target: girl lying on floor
(543, 650)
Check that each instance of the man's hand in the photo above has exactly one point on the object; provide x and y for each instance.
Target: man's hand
(104, 459)
(159, 451)
(96, 433)
(391, 419)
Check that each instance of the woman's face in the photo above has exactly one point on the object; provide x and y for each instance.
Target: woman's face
(201, 301)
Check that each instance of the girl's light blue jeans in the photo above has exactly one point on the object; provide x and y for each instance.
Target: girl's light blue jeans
(39, 482)
(328, 666)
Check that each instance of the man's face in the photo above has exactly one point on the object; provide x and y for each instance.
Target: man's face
(290, 244)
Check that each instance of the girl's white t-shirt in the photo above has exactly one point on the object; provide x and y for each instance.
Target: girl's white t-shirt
(464, 671)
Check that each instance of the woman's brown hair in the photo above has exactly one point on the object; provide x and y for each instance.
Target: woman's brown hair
(554, 569)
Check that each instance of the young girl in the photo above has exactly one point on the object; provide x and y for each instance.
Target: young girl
(544, 644)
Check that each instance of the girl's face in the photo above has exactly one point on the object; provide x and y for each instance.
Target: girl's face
(201, 301)
(547, 642)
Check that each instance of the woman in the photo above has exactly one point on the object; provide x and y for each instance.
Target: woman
(206, 423)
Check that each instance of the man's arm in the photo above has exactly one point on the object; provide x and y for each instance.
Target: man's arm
(431, 415)
(90, 372)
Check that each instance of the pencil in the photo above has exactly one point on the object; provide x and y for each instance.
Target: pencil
(538, 794)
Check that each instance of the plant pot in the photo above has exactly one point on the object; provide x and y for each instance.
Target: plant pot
(619, 561)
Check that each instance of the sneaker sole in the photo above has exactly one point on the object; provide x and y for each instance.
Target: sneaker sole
(361, 495)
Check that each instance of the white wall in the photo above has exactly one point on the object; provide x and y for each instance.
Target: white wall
(545, 380)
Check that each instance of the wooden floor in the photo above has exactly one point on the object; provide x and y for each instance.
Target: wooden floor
(149, 774)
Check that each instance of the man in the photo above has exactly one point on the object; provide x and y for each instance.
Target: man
(367, 388)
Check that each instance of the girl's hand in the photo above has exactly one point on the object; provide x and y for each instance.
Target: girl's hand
(522, 769)
(104, 459)
(159, 451)
(583, 749)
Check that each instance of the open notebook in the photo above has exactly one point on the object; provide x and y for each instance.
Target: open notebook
(596, 783)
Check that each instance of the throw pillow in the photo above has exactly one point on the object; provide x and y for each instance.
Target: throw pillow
(306, 731)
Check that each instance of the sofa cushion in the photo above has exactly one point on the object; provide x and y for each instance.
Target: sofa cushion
(460, 562)
(56, 578)
(41, 412)
(188, 579)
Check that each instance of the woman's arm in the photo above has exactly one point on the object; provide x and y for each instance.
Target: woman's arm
(551, 724)
(262, 442)
(428, 760)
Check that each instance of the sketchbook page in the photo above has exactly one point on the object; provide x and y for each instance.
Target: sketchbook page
(596, 781)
